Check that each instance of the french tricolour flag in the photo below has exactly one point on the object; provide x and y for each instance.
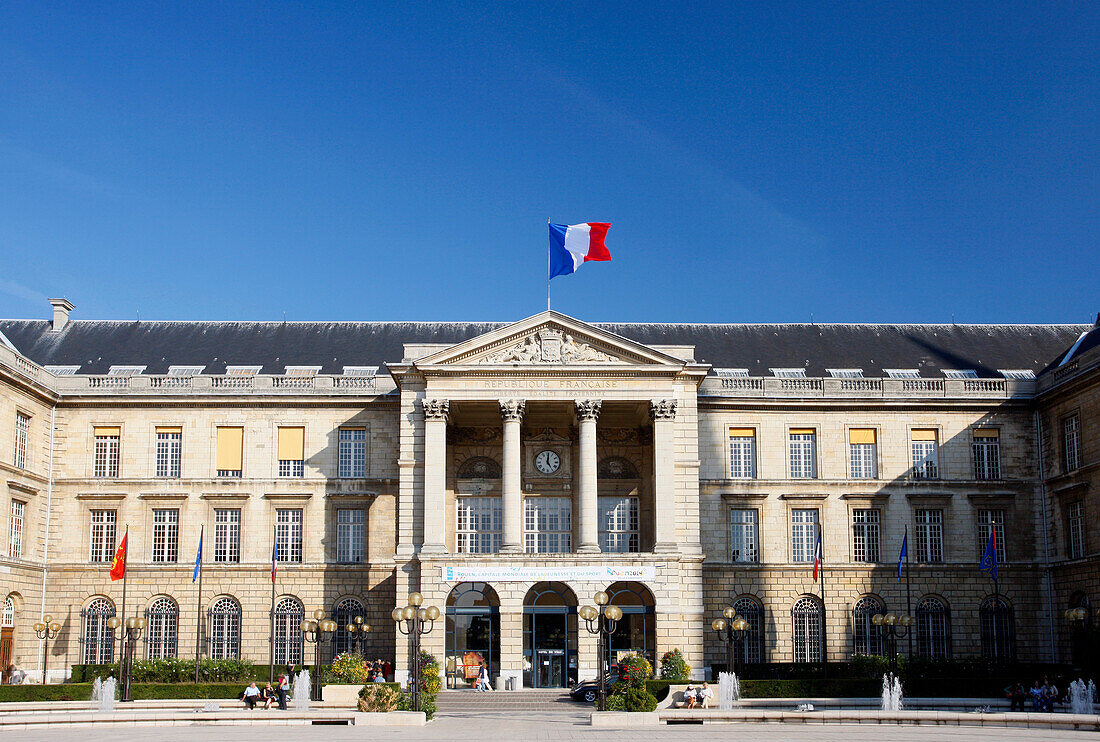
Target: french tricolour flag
(817, 558)
(573, 244)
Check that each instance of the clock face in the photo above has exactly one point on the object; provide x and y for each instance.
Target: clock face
(547, 462)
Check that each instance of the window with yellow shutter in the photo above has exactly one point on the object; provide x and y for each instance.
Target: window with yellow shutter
(292, 444)
(862, 453)
(230, 453)
(742, 453)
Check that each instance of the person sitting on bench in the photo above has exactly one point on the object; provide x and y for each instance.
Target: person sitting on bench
(704, 695)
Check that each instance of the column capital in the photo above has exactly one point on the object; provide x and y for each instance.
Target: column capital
(588, 409)
(662, 409)
(436, 409)
(511, 410)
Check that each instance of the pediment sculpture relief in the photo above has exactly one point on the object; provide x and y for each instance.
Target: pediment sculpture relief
(549, 346)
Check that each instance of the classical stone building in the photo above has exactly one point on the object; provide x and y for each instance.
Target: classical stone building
(510, 471)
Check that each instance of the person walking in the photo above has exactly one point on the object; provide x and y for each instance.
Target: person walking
(482, 684)
(281, 691)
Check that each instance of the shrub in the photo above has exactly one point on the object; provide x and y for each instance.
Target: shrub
(379, 697)
(427, 703)
(674, 666)
(349, 668)
(634, 670)
(631, 699)
(430, 681)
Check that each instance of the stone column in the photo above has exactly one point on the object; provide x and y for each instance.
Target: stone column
(435, 475)
(588, 411)
(663, 412)
(511, 412)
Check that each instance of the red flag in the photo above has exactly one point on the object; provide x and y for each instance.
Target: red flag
(118, 564)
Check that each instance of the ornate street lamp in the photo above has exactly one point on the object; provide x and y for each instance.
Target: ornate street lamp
(132, 629)
(1080, 625)
(46, 629)
(357, 634)
(314, 630)
(732, 630)
(892, 626)
(414, 621)
(602, 622)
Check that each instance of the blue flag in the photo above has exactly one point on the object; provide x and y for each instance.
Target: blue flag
(989, 558)
(198, 558)
(904, 552)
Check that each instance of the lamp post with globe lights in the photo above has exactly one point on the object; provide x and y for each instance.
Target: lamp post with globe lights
(357, 630)
(732, 630)
(892, 626)
(132, 628)
(314, 630)
(414, 621)
(602, 621)
(46, 629)
(1080, 626)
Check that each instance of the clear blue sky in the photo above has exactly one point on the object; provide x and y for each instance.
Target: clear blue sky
(873, 162)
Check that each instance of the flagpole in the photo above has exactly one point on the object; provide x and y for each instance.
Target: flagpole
(908, 599)
(275, 541)
(125, 574)
(548, 269)
(824, 621)
(996, 595)
(198, 608)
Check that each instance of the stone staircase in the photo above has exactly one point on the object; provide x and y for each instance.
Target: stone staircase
(463, 702)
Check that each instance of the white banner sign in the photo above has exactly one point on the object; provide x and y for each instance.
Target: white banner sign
(500, 573)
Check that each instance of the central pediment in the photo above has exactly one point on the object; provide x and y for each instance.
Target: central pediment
(549, 339)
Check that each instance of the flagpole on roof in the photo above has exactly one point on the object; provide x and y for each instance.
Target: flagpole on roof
(548, 270)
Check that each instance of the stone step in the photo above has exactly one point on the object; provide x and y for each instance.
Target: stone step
(459, 701)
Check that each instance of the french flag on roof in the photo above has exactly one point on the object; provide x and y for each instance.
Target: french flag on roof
(573, 244)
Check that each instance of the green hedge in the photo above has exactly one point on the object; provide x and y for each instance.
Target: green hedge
(182, 671)
(139, 691)
(817, 688)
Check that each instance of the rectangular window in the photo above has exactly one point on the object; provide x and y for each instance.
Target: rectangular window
(15, 532)
(288, 534)
(292, 443)
(353, 453)
(230, 453)
(548, 527)
(227, 535)
(865, 535)
(102, 539)
(350, 524)
(803, 453)
(1071, 442)
(742, 453)
(618, 524)
(925, 455)
(862, 453)
(166, 530)
(22, 427)
(987, 453)
(803, 534)
(743, 534)
(106, 451)
(478, 525)
(1076, 530)
(992, 519)
(929, 546)
(169, 449)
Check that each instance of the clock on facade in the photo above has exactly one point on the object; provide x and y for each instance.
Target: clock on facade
(547, 462)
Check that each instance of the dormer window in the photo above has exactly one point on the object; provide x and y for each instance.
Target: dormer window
(1017, 374)
(301, 371)
(185, 370)
(360, 370)
(845, 373)
(788, 373)
(961, 373)
(126, 370)
(62, 370)
(902, 373)
(242, 370)
(732, 373)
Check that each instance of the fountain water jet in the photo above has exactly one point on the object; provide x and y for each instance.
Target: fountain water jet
(729, 690)
(1081, 696)
(301, 691)
(103, 692)
(892, 696)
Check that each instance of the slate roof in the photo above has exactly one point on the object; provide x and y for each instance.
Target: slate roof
(98, 344)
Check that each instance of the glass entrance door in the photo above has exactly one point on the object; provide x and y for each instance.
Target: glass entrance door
(550, 652)
(550, 672)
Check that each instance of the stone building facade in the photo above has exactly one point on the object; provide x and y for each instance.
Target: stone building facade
(510, 471)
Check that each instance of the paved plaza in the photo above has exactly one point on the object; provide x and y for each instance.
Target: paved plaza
(551, 727)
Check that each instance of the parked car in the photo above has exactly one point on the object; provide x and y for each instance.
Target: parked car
(588, 690)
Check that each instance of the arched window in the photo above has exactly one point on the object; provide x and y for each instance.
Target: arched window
(998, 629)
(99, 639)
(288, 632)
(343, 614)
(479, 467)
(752, 611)
(866, 638)
(7, 620)
(808, 633)
(472, 632)
(163, 617)
(225, 629)
(933, 628)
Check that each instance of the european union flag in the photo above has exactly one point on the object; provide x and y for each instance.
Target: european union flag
(989, 558)
(904, 551)
(198, 558)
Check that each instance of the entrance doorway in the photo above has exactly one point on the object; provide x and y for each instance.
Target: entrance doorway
(473, 633)
(549, 636)
(636, 633)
